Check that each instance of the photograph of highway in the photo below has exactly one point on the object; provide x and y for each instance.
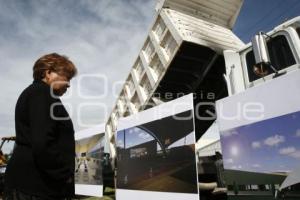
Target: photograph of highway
(158, 156)
(89, 153)
(267, 152)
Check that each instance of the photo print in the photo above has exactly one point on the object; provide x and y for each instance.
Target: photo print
(89, 153)
(89, 150)
(158, 157)
(260, 138)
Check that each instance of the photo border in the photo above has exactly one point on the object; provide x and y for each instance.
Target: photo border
(86, 189)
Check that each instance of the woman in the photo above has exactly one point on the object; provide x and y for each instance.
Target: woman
(42, 164)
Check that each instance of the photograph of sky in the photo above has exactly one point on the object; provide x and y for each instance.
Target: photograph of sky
(137, 136)
(268, 146)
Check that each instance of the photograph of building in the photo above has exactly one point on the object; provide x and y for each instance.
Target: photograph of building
(89, 153)
(158, 155)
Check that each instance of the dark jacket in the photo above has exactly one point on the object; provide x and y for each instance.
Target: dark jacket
(43, 159)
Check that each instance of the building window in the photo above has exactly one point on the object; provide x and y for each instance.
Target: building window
(281, 56)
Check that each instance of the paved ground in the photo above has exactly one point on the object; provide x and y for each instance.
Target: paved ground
(88, 172)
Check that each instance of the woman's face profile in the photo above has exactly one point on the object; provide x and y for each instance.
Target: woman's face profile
(58, 82)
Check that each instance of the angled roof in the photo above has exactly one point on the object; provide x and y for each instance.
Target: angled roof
(292, 179)
(169, 130)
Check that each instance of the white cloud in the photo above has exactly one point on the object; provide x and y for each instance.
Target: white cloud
(137, 130)
(229, 133)
(131, 131)
(295, 154)
(274, 140)
(100, 37)
(236, 167)
(228, 161)
(256, 145)
(144, 136)
(256, 165)
(287, 150)
(298, 133)
(290, 151)
(235, 150)
(120, 143)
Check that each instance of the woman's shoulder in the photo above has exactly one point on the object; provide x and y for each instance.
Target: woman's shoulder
(39, 87)
(36, 89)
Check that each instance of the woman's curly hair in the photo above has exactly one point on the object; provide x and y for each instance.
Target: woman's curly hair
(56, 63)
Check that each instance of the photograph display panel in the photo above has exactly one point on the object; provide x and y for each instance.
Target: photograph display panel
(89, 150)
(261, 148)
(156, 157)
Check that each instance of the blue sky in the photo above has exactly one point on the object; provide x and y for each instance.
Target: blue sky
(136, 136)
(271, 145)
(263, 15)
(100, 36)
